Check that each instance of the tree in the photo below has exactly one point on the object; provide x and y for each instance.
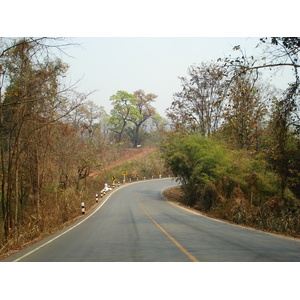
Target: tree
(279, 52)
(195, 160)
(284, 52)
(198, 107)
(93, 113)
(124, 110)
(145, 112)
(33, 101)
(244, 114)
(26, 110)
(130, 112)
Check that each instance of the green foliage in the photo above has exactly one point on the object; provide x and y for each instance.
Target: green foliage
(130, 112)
(231, 184)
(199, 161)
(124, 109)
(196, 158)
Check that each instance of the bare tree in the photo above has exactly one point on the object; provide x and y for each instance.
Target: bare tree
(32, 100)
(198, 107)
(145, 112)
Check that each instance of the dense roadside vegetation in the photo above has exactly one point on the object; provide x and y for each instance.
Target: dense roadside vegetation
(231, 184)
(52, 137)
(235, 144)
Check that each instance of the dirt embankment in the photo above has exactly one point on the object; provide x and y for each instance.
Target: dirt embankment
(173, 194)
(129, 154)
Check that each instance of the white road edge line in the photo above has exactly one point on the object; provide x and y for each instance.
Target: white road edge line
(63, 233)
(86, 218)
(237, 225)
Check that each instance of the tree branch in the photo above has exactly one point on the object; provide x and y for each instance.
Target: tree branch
(273, 65)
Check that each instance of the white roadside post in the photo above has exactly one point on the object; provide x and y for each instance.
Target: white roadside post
(96, 198)
(82, 208)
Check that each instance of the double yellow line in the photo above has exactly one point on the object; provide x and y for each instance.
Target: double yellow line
(188, 254)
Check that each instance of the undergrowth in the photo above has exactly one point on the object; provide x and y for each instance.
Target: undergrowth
(231, 184)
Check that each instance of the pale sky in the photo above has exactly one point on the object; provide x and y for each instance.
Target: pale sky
(151, 64)
(107, 63)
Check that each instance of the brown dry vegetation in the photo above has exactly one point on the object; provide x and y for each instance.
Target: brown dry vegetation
(114, 159)
(176, 196)
(63, 207)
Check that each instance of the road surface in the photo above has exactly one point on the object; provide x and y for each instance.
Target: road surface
(134, 223)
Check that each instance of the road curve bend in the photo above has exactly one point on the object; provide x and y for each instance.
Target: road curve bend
(135, 223)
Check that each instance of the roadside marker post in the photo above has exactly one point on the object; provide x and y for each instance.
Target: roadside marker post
(113, 181)
(97, 198)
(82, 208)
(124, 173)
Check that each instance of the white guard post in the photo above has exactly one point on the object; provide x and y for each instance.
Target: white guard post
(82, 208)
(106, 189)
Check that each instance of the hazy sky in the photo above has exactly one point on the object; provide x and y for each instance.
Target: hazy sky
(151, 64)
(107, 63)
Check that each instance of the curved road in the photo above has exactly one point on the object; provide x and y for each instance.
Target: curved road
(134, 223)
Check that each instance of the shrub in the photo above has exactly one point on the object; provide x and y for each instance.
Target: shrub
(232, 184)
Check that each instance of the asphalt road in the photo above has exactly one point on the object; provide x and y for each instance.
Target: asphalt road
(134, 223)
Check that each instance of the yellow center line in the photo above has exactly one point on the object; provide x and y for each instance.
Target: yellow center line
(188, 254)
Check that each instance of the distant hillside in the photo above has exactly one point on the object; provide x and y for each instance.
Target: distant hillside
(126, 155)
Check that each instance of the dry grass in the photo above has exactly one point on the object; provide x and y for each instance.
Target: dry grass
(119, 158)
(176, 195)
(60, 208)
